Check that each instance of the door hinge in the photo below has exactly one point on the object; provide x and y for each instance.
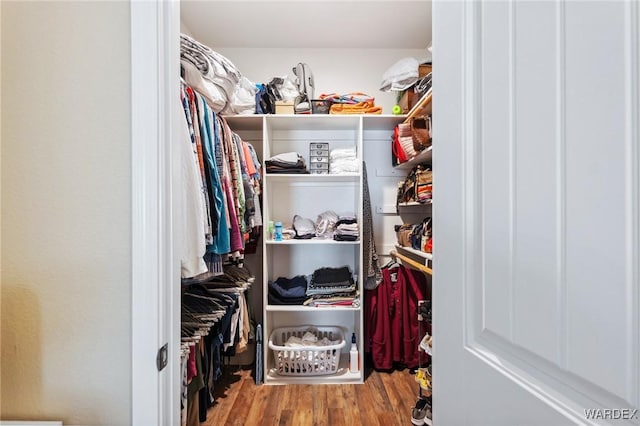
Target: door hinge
(161, 358)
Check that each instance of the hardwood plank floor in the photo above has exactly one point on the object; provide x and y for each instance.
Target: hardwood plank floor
(385, 399)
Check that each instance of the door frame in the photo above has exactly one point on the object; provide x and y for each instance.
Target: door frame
(155, 271)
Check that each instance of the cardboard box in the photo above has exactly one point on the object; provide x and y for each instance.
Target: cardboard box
(423, 70)
(408, 100)
(283, 107)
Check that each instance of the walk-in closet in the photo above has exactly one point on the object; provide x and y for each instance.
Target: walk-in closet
(312, 302)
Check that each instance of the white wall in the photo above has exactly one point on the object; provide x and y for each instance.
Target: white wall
(66, 351)
(335, 70)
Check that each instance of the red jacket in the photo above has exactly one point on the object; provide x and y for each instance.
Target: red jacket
(392, 331)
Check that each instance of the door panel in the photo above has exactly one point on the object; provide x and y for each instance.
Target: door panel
(599, 195)
(536, 225)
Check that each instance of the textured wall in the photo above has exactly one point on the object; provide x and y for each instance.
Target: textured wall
(66, 351)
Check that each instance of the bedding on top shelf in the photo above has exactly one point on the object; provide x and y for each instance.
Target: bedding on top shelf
(216, 78)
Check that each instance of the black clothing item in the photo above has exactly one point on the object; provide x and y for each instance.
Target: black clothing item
(275, 299)
(286, 288)
(346, 222)
(339, 237)
(332, 275)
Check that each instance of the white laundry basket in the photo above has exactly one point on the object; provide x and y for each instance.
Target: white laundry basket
(306, 360)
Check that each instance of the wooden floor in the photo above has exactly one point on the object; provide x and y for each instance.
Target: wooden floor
(385, 399)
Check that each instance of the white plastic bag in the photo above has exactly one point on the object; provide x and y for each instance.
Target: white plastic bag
(243, 100)
(400, 76)
(288, 90)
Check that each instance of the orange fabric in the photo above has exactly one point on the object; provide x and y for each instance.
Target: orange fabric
(248, 159)
(359, 108)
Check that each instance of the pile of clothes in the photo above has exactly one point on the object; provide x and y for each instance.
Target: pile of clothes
(309, 339)
(343, 160)
(288, 163)
(304, 228)
(325, 287)
(346, 228)
(285, 291)
(352, 103)
(216, 78)
(328, 226)
(332, 287)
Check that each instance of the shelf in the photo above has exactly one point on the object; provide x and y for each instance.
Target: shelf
(352, 177)
(425, 256)
(245, 122)
(342, 376)
(322, 122)
(312, 242)
(371, 121)
(415, 204)
(306, 309)
(423, 157)
(382, 121)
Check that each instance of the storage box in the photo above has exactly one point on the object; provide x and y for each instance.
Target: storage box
(306, 360)
(283, 107)
(319, 145)
(319, 166)
(423, 70)
(319, 152)
(320, 106)
(324, 160)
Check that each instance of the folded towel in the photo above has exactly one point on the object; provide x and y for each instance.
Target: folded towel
(286, 157)
(346, 153)
(359, 108)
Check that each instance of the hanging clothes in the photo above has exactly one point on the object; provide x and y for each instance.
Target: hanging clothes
(222, 186)
(214, 323)
(391, 317)
(192, 239)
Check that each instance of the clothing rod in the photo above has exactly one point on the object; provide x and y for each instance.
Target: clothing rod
(411, 262)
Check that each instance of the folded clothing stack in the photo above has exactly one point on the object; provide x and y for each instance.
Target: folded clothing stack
(288, 162)
(359, 108)
(346, 229)
(332, 287)
(285, 291)
(343, 160)
(352, 103)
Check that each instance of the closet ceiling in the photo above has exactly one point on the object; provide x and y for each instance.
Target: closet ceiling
(305, 23)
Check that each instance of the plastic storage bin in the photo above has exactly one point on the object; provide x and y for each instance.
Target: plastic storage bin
(306, 360)
(321, 106)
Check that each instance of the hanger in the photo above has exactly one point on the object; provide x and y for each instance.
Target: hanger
(392, 263)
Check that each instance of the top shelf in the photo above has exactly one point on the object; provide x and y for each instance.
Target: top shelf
(245, 122)
(314, 121)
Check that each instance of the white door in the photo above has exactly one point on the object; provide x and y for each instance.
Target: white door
(536, 288)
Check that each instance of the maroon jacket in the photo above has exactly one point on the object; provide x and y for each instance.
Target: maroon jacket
(392, 332)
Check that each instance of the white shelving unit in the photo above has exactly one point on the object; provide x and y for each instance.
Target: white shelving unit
(308, 196)
(285, 195)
